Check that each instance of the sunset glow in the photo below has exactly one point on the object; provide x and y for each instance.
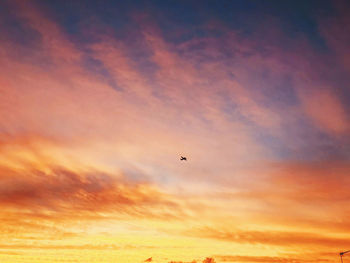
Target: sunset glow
(100, 99)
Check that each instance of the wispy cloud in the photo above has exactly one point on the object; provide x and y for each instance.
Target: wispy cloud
(274, 238)
(266, 259)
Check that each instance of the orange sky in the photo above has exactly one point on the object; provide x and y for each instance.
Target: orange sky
(94, 116)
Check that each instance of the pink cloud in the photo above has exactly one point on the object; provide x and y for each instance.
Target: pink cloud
(326, 110)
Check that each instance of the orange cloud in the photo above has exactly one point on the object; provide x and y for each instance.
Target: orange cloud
(273, 238)
(62, 191)
(268, 259)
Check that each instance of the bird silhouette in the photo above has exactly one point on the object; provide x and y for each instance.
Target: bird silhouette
(183, 158)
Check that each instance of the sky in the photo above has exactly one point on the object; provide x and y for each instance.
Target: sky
(99, 99)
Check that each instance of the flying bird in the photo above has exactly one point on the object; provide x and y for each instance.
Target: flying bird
(183, 158)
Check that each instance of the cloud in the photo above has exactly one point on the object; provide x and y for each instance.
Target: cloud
(223, 258)
(335, 30)
(311, 182)
(274, 238)
(54, 42)
(64, 191)
(37, 189)
(327, 111)
(56, 247)
(300, 196)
